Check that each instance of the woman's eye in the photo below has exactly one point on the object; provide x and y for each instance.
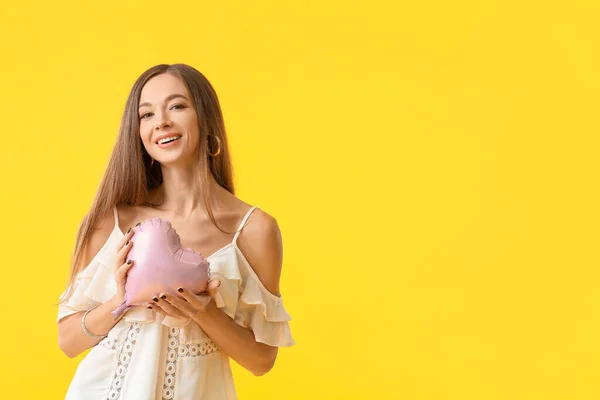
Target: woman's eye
(145, 115)
(177, 106)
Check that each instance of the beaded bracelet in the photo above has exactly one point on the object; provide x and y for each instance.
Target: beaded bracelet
(85, 329)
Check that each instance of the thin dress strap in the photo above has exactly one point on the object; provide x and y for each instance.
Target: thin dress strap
(116, 216)
(242, 224)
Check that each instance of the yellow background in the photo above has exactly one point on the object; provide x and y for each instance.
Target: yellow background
(432, 164)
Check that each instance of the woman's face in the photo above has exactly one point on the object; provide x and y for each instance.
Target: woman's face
(165, 113)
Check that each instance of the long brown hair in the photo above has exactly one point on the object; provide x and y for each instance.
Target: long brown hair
(130, 174)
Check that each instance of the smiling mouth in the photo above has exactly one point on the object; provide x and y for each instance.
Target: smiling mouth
(168, 140)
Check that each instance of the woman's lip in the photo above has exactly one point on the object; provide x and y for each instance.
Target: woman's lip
(163, 145)
(166, 135)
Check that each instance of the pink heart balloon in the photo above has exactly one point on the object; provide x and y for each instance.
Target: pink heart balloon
(161, 265)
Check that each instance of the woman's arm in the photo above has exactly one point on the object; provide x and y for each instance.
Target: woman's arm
(71, 338)
(237, 342)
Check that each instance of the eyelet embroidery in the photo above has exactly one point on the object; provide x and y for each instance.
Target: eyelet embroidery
(125, 350)
(176, 350)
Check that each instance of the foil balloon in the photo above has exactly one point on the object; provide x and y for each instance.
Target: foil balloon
(161, 265)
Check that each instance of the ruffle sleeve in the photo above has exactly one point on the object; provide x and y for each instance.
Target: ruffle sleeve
(94, 284)
(244, 298)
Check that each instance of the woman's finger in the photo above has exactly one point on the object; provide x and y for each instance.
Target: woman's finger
(125, 238)
(213, 287)
(124, 250)
(122, 271)
(181, 304)
(170, 308)
(198, 301)
(156, 307)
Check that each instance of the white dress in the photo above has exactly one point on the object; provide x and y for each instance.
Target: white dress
(150, 357)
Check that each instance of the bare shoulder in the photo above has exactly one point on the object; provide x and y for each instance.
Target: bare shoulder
(128, 217)
(260, 241)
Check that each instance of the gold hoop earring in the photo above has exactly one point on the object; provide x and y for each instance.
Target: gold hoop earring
(208, 143)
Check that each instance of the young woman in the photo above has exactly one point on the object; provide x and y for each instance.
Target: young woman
(171, 161)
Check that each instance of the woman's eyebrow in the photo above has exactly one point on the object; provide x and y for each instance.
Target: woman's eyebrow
(169, 98)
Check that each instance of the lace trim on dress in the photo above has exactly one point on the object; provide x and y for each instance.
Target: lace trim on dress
(176, 350)
(125, 350)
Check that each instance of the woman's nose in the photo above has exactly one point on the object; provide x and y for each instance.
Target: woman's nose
(163, 124)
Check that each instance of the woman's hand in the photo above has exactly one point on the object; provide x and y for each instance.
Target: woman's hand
(190, 306)
(121, 265)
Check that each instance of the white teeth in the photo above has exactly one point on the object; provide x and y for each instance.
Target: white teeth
(168, 139)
